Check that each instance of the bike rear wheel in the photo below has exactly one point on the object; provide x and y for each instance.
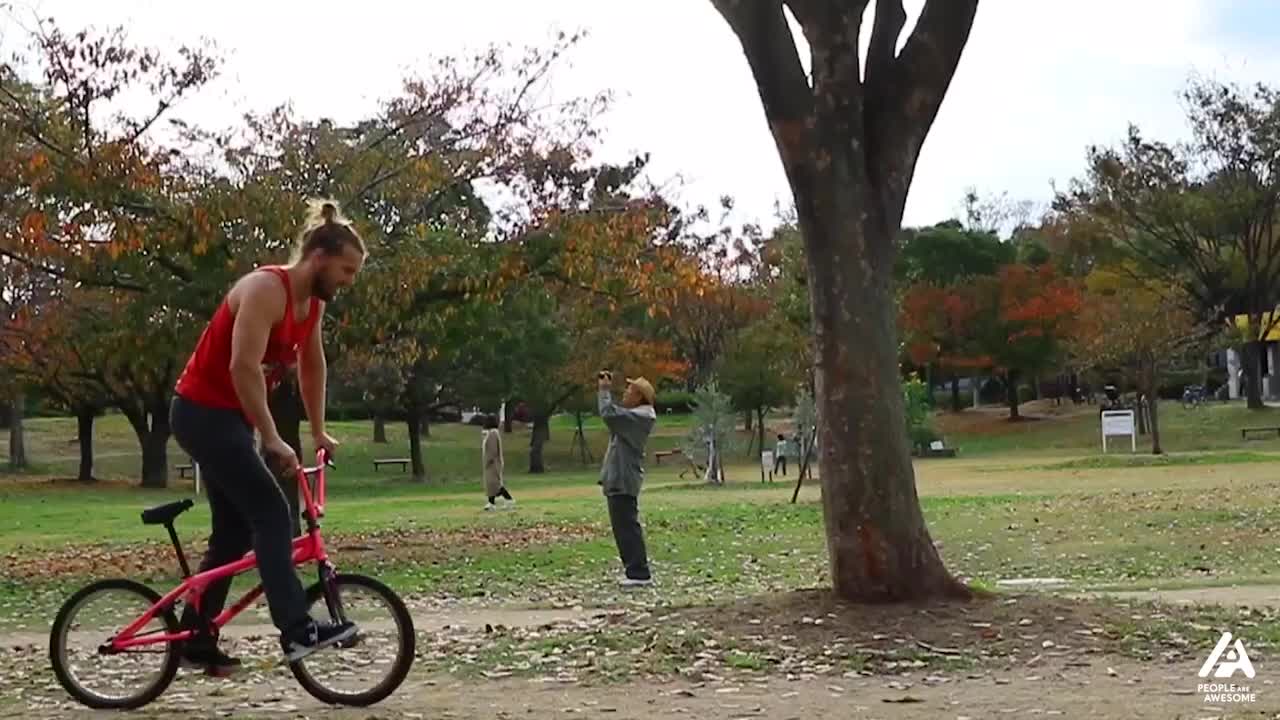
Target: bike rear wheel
(369, 667)
(85, 623)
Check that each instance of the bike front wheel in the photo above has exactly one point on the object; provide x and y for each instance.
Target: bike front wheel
(370, 666)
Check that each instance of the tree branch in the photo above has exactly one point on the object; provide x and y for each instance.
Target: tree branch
(784, 89)
(173, 267)
(889, 21)
(64, 275)
(906, 94)
(931, 55)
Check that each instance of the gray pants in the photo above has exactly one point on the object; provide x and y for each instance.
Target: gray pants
(624, 516)
(247, 508)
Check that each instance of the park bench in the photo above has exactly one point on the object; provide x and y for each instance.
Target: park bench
(402, 462)
(1245, 432)
(658, 455)
(183, 470)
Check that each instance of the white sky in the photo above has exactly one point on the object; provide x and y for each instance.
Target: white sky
(1040, 80)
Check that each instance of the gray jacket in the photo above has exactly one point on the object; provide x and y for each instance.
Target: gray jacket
(623, 469)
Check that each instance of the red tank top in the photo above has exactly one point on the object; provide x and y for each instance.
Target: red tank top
(206, 379)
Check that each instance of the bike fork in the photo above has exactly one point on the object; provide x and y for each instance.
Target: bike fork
(329, 585)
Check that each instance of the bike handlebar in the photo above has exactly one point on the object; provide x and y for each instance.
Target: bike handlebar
(315, 500)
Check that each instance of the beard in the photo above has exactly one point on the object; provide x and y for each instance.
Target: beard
(324, 289)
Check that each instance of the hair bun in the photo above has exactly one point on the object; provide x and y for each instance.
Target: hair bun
(329, 212)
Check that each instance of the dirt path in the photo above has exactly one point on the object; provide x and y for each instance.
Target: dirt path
(1099, 689)
(1079, 682)
(1237, 595)
(1134, 691)
(424, 621)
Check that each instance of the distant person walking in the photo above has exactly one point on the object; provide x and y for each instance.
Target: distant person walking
(491, 451)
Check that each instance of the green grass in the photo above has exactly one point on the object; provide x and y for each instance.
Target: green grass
(451, 452)
(1214, 427)
(1147, 529)
(1110, 462)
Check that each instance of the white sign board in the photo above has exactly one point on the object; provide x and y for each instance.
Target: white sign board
(1119, 422)
(766, 460)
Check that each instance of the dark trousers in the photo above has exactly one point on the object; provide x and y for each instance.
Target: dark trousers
(780, 462)
(624, 516)
(501, 494)
(247, 508)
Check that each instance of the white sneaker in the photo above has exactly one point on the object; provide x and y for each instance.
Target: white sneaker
(636, 583)
(490, 507)
(508, 504)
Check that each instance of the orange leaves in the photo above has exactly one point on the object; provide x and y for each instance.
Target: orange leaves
(1036, 295)
(33, 228)
(1016, 319)
(936, 323)
(38, 162)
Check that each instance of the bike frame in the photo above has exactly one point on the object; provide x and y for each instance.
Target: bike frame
(307, 547)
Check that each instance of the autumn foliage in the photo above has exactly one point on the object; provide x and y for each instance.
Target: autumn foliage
(1009, 324)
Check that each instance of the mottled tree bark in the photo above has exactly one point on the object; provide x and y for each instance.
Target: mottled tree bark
(849, 147)
(17, 436)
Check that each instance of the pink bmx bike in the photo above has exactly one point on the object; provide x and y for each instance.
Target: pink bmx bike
(116, 644)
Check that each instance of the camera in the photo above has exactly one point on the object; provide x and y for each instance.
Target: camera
(605, 375)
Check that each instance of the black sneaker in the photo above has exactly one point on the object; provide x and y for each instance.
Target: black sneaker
(203, 654)
(312, 636)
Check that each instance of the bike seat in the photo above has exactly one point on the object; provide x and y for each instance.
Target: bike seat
(164, 514)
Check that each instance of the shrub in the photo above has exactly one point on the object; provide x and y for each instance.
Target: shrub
(679, 402)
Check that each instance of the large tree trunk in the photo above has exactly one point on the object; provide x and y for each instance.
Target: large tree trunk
(17, 433)
(286, 410)
(537, 441)
(379, 429)
(285, 404)
(1253, 374)
(581, 439)
(849, 146)
(879, 545)
(956, 405)
(507, 419)
(414, 421)
(1011, 394)
(424, 428)
(84, 435)
(1150, 382)
(1153, 407)
(151, 425)
(760, 435)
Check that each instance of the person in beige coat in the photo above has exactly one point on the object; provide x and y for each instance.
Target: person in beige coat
(491, 445)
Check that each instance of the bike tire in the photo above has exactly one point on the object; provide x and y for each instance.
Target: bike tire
(404, 657)
(57, 649)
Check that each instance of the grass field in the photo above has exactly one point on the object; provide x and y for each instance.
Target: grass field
(1027, 499)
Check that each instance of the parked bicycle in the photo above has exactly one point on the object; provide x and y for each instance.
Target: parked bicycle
(134, 636)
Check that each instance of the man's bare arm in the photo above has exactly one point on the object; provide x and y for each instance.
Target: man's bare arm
(261, 305)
